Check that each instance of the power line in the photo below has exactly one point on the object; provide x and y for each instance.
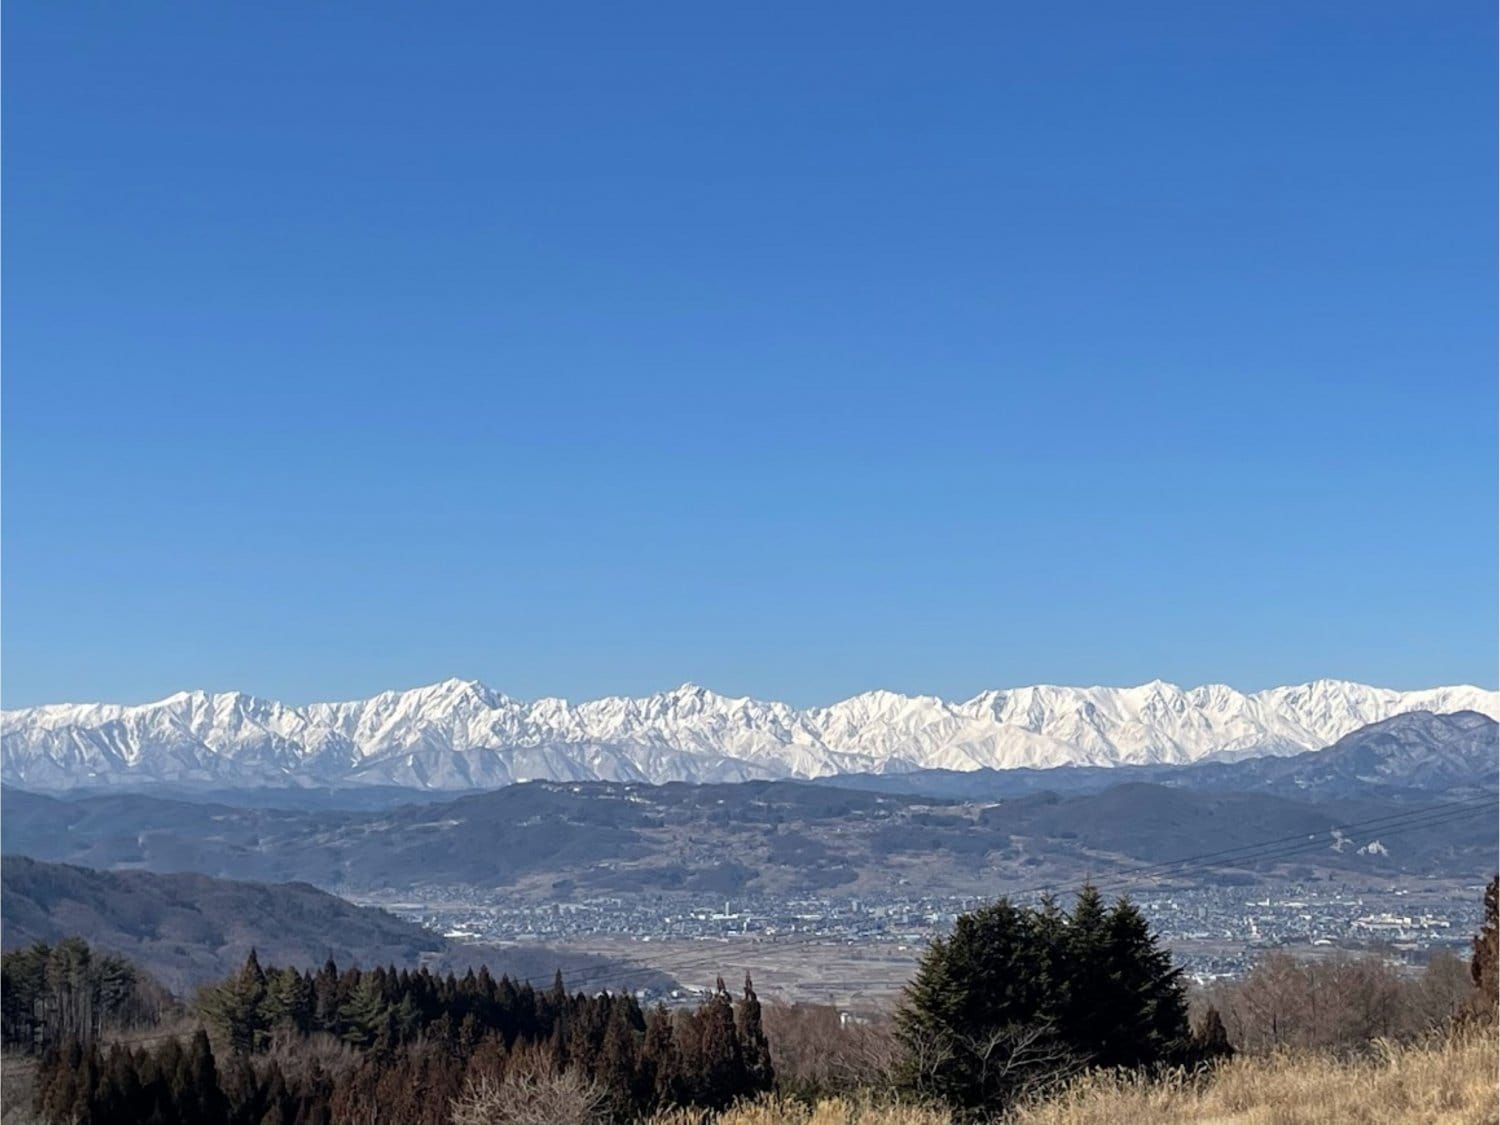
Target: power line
(1263, 851)
(1388, 824)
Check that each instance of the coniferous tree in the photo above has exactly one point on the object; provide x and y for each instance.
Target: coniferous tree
(407, 1017)
(119, 1094)
(202, 1100)
(1080, 986)
(717, 1072)
(755, 1049)
(1210, 1039)
(1140, 1008)
(618, 1066)
(660, 1069)
(289, 1002)
(361, 1014)
(51, 993)
(978, 1019)
(237, 1008)
(280, 1106)
(243, 1090)
(57, 1090)
(326, 997)
(1015, 998)
(1484, 965)
(170, 1063)
(156, 1094)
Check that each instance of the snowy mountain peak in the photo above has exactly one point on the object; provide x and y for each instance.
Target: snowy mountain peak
(461, 733)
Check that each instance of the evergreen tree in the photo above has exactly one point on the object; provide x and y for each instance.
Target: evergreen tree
(1015, 998)
(86, 1096)
(243, 1090)
(407, 1018)
(1140, 1009)
(1210, 1039)
(279, 1105)
(119, 1096)
(289, 1001)
(326, 997)
(981, 1016)
(717, 1072)
(170, 1063)
(617, 1067)
(58, 1097)
(1483, 967)
(361, 1016)
(201, 1100)
(658, 1079)
(755, 1049)
(236, 1009)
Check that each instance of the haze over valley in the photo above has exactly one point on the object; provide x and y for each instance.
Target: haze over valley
(795, 874)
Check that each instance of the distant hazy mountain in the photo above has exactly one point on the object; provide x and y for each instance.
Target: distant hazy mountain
(549, 842)
(1417, 756)
(1418, 753)
(188, 928)
(460, 735)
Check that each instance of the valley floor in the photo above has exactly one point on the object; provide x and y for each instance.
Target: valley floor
(812, 970)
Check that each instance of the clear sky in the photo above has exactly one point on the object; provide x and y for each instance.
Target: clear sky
(791, 350)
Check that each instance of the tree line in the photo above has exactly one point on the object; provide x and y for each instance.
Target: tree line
(285, 1047)
(50, 994)
(1014, 1001)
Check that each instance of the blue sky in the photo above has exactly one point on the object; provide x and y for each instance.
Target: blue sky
(792, 350)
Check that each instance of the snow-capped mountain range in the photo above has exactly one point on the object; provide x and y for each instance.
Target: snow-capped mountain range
(460, 734)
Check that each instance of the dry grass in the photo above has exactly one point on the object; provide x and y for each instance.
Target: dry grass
(17, 1084)
(833, 1111)
(1445, 1081)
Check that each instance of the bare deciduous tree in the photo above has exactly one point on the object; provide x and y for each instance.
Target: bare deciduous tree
(1023, 1060)
(533, 1091)
(1340, 1003)
(815, 1049)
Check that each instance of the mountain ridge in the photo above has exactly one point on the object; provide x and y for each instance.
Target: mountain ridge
(186, 927)
(460, 734)
(1412, 757)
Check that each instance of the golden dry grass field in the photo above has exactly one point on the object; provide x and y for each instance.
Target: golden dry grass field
(1449, 1081)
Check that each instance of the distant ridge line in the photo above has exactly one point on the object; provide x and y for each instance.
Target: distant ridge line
(461, 734)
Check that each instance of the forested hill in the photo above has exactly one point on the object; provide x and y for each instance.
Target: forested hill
(185, 928)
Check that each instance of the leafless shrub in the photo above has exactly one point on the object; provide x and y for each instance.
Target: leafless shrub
(1024, 1060)
(1341, 1004)
(815, 1050)
(533, 1091)
(317, 1053)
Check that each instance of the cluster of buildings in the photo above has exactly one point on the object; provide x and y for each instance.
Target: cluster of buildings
(1214, 931)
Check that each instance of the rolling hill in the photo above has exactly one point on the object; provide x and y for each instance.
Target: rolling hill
(544, 841)
(187, 928)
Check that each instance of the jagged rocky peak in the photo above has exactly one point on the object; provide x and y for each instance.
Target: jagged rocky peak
(461, 733)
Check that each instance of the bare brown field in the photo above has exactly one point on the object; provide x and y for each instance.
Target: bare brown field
(810, 971)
